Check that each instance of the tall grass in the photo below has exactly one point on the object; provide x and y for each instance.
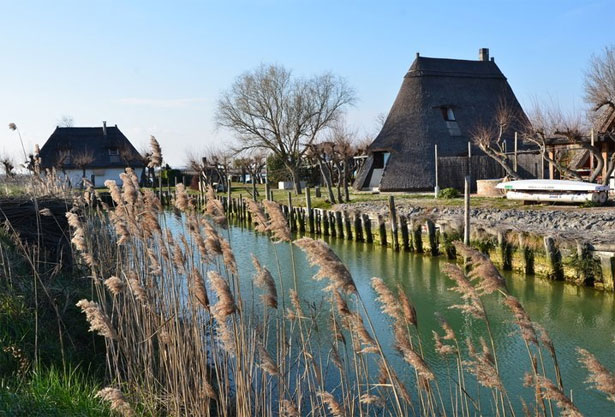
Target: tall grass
(183, 339)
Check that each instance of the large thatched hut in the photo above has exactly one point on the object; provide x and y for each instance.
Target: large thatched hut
(439, 103)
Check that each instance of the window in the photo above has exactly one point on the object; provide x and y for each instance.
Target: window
(448, 114)
(114, 155)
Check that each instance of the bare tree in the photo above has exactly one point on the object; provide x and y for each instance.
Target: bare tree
(548, 123)
(270, 110)
(83, 159)
(600, 80)
(321, 155)
(7, 165)
(600, 95)
(66, 121)
(489, 137)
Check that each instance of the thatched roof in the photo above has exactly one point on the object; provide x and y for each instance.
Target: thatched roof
(107, 145)
(417, 121)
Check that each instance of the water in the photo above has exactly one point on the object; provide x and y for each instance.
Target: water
(573, 316)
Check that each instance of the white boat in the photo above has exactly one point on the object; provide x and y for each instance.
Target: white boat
(555, 191)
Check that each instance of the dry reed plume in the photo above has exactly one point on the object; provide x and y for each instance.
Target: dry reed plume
(116, 400)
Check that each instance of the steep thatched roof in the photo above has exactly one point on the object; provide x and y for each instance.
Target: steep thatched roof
(473, 90)
(107, 145)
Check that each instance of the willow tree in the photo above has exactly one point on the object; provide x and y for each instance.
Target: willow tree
(271, 110)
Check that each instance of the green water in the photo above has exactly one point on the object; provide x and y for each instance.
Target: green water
(573, 316)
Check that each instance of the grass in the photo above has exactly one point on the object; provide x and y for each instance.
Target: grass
(51, 392)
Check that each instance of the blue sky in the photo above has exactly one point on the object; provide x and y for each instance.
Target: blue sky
(158, 67)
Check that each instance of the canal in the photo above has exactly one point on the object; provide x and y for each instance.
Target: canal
(573, 316)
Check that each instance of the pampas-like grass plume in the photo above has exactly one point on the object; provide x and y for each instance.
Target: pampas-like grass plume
(116, 401)
(198, 289)
(522, 319)
(335, 408)
(288, 409)
(99, 322)
(552, 392)
(258, 216)
(182, 201)
(264, 280)
(156, 155)
(483, 270)
(599, 376)
(277, 224)
(228, 256)
(114, 190)
(226, 302)
(114, 285)
(389, 304)
(267, 362)
(482, 366)
(137, 289)
(321, 255)
(464, 287)
(402, 344)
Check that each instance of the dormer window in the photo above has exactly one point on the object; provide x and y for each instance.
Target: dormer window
(114, 155)
(448, 114)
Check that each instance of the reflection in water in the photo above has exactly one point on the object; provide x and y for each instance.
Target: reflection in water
(573, 316)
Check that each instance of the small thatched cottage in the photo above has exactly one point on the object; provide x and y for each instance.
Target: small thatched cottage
(95, 153)
(439, 103)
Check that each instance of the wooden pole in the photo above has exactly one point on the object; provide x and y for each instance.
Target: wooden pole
(331, 218)
(339, 224)
(348, 225)
(417, 236)
(393, 217)
(228, 190)
(433, 237)
(591, 154)
(358, 228)
(436, 189)
(367, 226)
(382, 229)
(310, 212)
(405, 240)
(466, 211)
(516, 162)
(325, 223)
(267, 190)
(291, 217)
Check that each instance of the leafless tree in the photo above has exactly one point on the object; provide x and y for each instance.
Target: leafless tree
(600, 95)
(489, 137)
(271, 110)
(66, 121)
(83, 159)
(7, 165)
(549, 122)
(321, 155)
(212, 165)
(253, 164)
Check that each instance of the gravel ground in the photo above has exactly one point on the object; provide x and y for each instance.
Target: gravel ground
(594, 225)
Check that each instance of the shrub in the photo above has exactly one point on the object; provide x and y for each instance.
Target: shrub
(449, 193)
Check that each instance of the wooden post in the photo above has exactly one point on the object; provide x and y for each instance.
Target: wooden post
(393, 217)
(253, 189)
(367, 226)
(184, 179)
(466, 211)
(433, 237)
(551, 167)
(331, 218)
(528, 255)
(591, 154)
(358, 229)
(318, 214)
(310, 211)
(291, 217)
(317, 191)
(348, 225)
(382, 229)
(339, 224)
(516, 161)
(228, 190)
(267, 190)
(436, 189)
(405, 240)
(239, 207)
(325, 223)
(505, 250)
(417, 236)
(555, 259)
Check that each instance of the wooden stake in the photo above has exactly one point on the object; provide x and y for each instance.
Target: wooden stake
(393, 217)
(367, 226)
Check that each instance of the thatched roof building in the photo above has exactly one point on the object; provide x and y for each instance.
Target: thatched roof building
(96, 153)
(440, 102)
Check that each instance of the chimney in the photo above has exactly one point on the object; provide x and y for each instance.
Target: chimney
(104, 128)
(483, 54)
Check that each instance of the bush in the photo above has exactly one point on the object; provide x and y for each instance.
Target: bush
(449, 193)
